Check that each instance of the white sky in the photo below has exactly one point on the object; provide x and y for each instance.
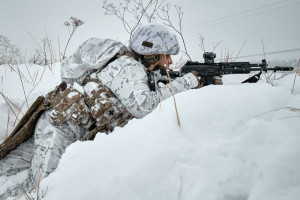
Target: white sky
(233, 22)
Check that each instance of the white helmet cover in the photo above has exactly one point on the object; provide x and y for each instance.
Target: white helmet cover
(153, 39)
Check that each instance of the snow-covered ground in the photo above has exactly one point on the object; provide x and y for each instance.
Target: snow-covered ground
(235, 142)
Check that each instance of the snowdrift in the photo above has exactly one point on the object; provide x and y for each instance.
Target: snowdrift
(235, 142)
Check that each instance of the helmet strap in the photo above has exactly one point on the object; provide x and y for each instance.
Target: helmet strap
(151, 58)
(150, 61)
(153, 65)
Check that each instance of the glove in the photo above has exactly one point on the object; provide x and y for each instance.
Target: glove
(198, 79)
(218, 80)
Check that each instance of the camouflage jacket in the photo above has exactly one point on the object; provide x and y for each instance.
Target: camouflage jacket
(119, 88)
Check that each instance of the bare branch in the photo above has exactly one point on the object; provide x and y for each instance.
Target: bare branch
(202, 46)
(5, 98)
(240, 50)
(168, 22)
(8, 118)
(296, 71)
(216, 45)
(9, 53)
(133, 12)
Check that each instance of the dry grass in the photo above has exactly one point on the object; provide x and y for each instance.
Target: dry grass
(8, 118)
(172, 89)
(34, 81)
(296, 72)
(44, 52)
(19, 72)
(240, 50)
(7, 102)
(175, 105)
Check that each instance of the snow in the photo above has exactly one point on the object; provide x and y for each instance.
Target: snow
(236, 142)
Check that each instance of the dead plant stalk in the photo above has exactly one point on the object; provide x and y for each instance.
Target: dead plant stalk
(172, 89)
(240, 50)
(22, 85)
(8, 118)
(20, 109)
(296, 71)
(5, 98)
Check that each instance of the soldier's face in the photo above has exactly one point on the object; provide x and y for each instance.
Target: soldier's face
(165, 60)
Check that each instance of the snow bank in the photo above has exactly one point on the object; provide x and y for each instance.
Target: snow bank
(236, 142)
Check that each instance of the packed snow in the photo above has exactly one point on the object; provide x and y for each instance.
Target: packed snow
(235, 142)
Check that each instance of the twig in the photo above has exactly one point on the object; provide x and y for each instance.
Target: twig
(166, 66)
(168, 22)
(263, 46)
(12, 103)
(295, 76)
(172, 89)
(297, 71)
(5, 192)
(141, 16)
(138, 10)
(35, 76)
(27, 67)
(20, 110)
(216, 45)
(240, 50)
(22, 85)
(8, 104)
(8, 118)
(39, 182)
(202, 46)
(42, 74)
(50, 50)
(24, 192)
(12, 69)
(59, 49)
(267, 79)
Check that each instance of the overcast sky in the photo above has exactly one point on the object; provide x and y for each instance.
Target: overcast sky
(231, 23)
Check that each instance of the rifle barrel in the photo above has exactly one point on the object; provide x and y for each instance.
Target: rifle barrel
(278, 68)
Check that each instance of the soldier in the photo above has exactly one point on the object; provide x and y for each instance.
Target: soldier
(105, 85)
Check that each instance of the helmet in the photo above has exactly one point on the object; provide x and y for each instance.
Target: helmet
(153, 39)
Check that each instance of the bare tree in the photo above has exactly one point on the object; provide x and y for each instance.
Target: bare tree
(43, 52)
(37, 57)
(165, 17)
(9, 53)
(202, 45)
(133, 12)
(72, 25)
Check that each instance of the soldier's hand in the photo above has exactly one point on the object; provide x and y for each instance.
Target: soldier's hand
(198, 79)
(218, 80)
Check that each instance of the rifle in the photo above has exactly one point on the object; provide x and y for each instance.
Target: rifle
(209, 69)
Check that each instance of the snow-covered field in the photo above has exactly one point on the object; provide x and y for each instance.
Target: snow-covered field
(235, 142)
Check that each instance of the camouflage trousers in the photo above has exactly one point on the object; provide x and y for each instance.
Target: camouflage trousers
(40, 154)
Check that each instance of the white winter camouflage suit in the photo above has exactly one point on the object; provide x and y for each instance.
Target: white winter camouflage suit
(125, 77)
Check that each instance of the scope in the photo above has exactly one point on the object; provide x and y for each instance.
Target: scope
(209, 57)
